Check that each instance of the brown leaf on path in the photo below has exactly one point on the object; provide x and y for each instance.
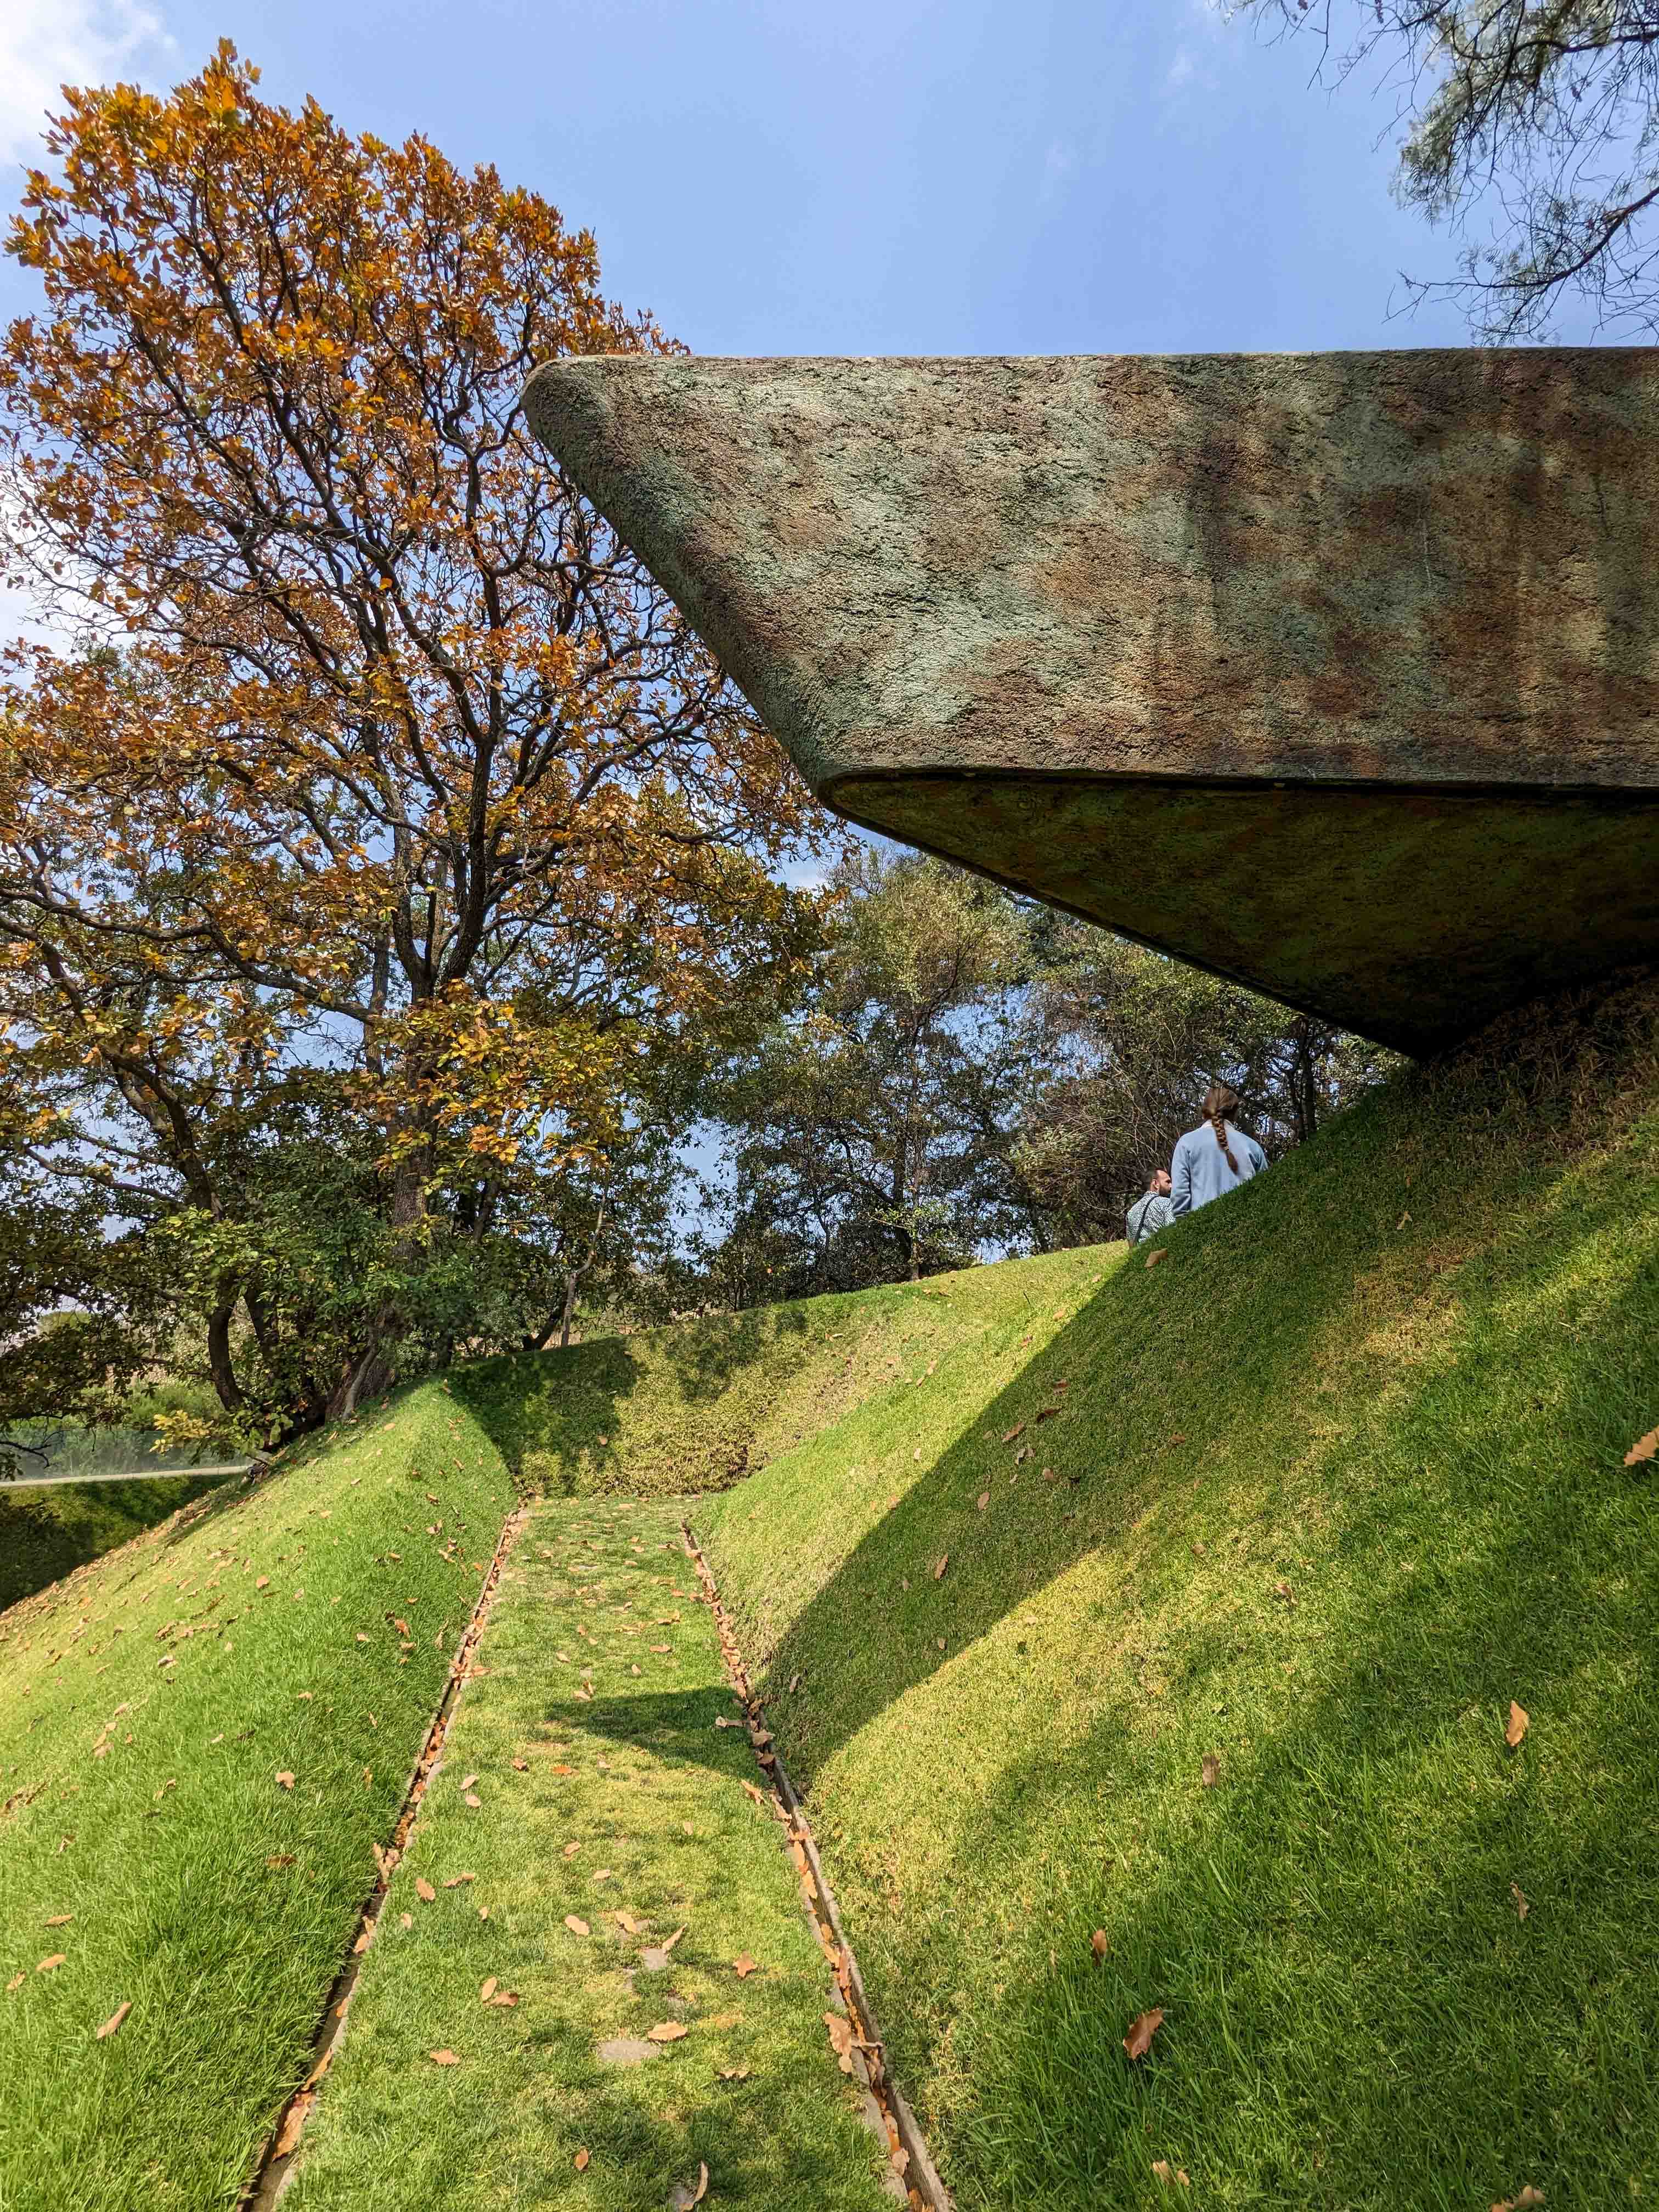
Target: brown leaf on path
(576, 1924)
(1154, 1255)
(294, 2123)
(1646, 1447)
(444, 2057)
(743, 1967)
(580, 2159)
(285, 1780)
(1522, 1907)
(1519, 1722)
(940, 1566)
(667, 2031)
(1210, 1772)
(50, 1966)
(424, 1890)
(1142, 2028)
(113, 2022)
(1098, 1943)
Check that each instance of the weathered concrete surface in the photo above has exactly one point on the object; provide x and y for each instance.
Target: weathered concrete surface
(1335, 673)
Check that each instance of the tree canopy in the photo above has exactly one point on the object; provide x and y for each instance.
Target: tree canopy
(1539, 118)
(386, 849)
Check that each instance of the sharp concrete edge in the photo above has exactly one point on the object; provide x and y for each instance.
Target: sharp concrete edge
(921, 2172)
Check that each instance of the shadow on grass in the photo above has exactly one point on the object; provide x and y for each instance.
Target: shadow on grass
(45, 1533)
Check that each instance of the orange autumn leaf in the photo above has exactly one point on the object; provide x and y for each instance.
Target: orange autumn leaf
(444, 2057)
(424, 1890)
(1098, 1943)
(112, 2024)
(1645, 1447)
(285, 1780)
(1142, 2028)
(576, 1924)
(667, 2031)
(940, 1565)
(580, 2159)
(1520, 1720)
(1154, 1255)
(50, 1966)
(743, 1967)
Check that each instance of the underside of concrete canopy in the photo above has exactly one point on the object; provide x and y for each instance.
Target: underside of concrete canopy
(1337, 674)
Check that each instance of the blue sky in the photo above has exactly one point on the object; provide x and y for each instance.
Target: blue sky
(876, 176)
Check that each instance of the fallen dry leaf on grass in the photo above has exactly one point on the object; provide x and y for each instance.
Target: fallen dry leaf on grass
(59, 1920)
(667, 2031)
(1018, 1429)
(285, 1780)
(743, 1967)
(580, 2159)
(983, 1500)
(576, 1924)
(1522, 1907)
(627, 1922)
(1171, 2177)
(1646, 1448)
(405, 1919)
(1285, 1593)
(1520, 1720)
(940, 1566)
(293, 2127)
(424, 1891)
(1153, 1257)
(488, 1989)
(1526, 2201)
(454, 1880)
(15, 1983)
(114, 2020)
(522, 1766)
(471, 1797)
(1210, 1772)
(1098, 1943)
(571, 1850)
(689, 2194)
(444, 2057)
(841, 2039)
(669, 1942)
(50, 1966)
(734, 2073)
(1142, 2028)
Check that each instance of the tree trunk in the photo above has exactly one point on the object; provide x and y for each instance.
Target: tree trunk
(570, 1282)
(219, 1360)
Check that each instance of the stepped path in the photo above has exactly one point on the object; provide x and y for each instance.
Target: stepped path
(593, 1983)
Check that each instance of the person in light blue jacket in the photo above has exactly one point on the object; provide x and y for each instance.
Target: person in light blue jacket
(1213, 1159)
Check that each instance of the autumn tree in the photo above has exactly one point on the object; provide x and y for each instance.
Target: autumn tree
(1538, 119)
(385, 849)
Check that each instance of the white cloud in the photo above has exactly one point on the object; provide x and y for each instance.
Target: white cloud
(46, 44)
(1180, 70)
(1058, 164)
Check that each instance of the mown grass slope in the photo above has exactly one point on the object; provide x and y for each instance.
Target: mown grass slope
(1333, 1484)
(48, 1530)
(593, 1771)
(149, 1706)
(698, 1405)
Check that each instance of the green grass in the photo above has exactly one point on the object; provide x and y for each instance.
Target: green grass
(46, 1531)
(699, 1406)
(1398, 1375)
(630, 1800)
(150, 1702)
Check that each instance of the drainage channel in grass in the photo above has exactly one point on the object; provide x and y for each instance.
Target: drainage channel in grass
(594, 1984)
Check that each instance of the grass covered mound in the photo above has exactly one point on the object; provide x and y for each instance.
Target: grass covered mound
(590, 1853)
(1224, 1671)
(48, 1530)
(202, 1737)
(698, 1405)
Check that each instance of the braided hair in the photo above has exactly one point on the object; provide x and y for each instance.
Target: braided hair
(1218, 1102)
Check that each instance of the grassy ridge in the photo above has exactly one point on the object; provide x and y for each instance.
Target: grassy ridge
(47, 1530)
(1333, 1484)
(151, 1702)
(698, 1405)
(591, 1770)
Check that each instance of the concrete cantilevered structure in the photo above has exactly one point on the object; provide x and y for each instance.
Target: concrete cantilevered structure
(1335, 673)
